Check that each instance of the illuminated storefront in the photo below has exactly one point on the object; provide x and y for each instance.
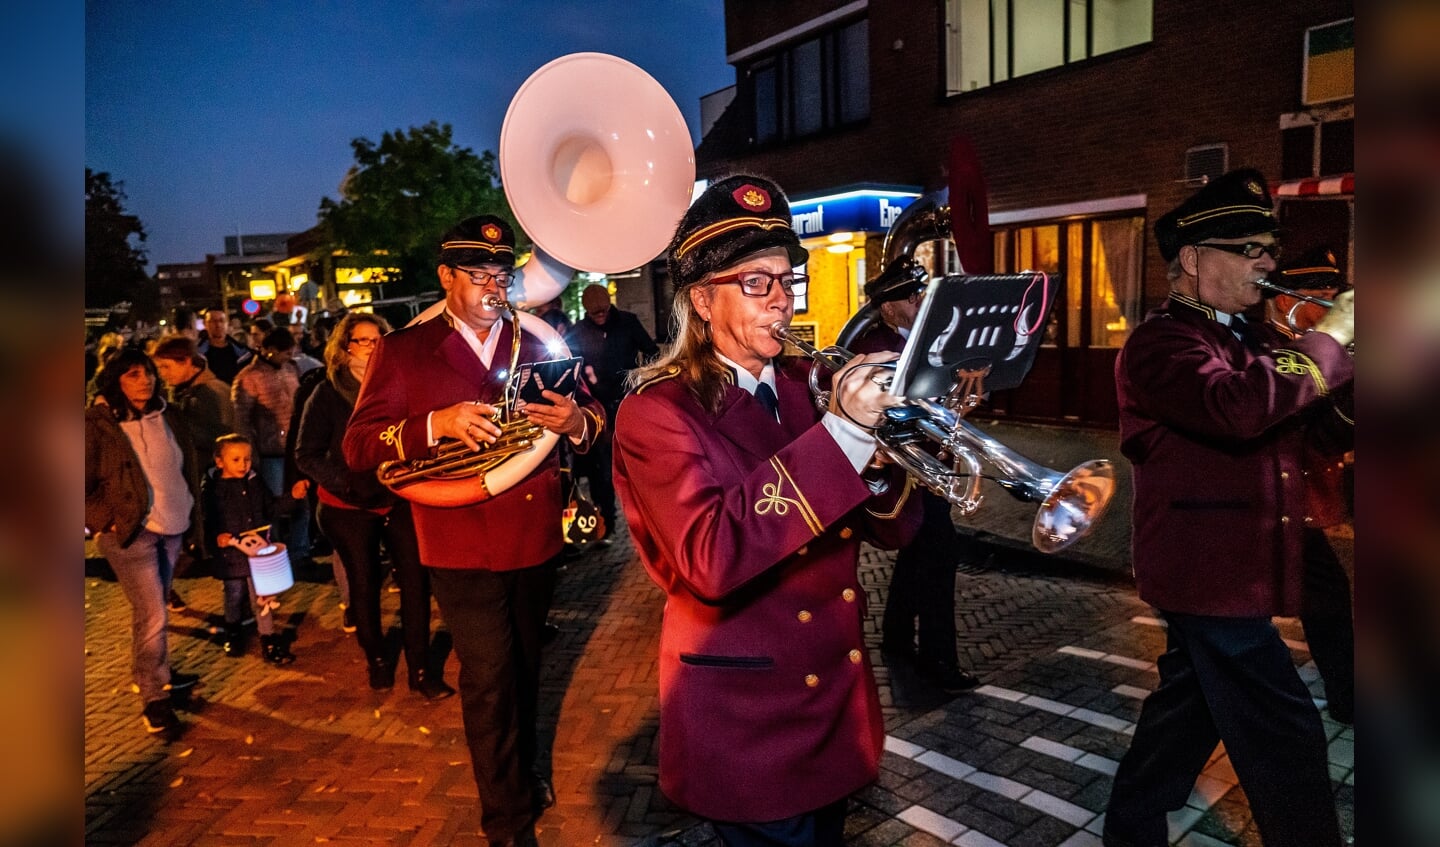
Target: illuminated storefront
(841, 228)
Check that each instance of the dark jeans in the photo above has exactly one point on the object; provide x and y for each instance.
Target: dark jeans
(496, 619)
(1231, 680)
(595, 466)
(1329, 622)
(922, 586)
(824, 827)
(356, 535)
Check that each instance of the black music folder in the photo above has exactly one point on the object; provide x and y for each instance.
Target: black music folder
(973, 322)
(531, 378)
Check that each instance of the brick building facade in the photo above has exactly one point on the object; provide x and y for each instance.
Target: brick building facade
(1079, 157)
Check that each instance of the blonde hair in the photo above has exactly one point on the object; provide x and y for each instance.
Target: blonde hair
(692, 352)
(337, 354)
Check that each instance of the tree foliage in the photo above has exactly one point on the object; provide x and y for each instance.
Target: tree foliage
(114, 255)
(404, 192)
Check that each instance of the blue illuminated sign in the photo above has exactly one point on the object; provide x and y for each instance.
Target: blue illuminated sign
(862, 210)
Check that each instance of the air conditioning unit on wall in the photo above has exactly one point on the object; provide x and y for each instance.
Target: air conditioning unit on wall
(1206, 161)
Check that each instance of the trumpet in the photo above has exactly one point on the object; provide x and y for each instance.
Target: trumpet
(1070, 503)
(1294, 307)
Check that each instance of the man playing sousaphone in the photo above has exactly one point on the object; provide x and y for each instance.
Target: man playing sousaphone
(491, 561)
(748, 507)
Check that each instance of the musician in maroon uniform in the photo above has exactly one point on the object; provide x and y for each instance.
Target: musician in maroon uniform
(1215, 416)
(748, 508)
(490, 562)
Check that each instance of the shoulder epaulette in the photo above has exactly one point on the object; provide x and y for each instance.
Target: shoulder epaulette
(669, 373)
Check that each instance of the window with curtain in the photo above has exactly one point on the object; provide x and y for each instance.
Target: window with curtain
(990, 41)
(1101, 260)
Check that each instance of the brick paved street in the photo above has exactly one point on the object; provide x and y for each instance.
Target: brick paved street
(307, 754)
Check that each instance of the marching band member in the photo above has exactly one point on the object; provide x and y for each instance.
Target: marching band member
(1215, 416)
(748, 508)
(491, 562)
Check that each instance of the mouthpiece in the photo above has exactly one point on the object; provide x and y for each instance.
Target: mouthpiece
(494, 302)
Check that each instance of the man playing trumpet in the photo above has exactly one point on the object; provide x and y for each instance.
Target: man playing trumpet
(1216, 416)
(491, 561)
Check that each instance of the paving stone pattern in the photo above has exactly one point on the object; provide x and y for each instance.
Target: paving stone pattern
(308, 754)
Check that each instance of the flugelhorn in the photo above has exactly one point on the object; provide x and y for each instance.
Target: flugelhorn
(1070, 503)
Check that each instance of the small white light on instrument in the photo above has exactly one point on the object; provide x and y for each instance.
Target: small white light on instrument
(265, 551)
(840, 237)
(840, 248)
(502, 375)
(555, 347)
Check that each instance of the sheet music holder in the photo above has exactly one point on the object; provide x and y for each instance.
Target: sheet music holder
(532, 378)
(974, 322)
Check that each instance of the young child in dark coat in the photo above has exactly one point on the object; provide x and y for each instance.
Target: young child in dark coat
(236, 500)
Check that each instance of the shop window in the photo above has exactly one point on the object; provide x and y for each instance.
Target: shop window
(990, 41)
(1101, 259)
(811, 86)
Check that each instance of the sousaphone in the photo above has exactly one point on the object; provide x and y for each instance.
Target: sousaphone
(597, 164)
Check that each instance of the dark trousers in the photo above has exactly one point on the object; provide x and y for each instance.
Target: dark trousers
(824, 827)
(923, 586)
(1231, 680)
(356, 535)
(595, 466)
(496, 619)
(1329, 622)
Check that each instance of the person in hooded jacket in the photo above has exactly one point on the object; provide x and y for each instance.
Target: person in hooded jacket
(140, 487)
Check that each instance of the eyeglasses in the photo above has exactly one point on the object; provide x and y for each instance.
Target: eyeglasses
(478, 277)
(759, 283)
(1250, 249)
(364, 342)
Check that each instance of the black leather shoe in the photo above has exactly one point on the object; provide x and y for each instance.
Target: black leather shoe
(234, 643)
(159, 717)
(432, 688)
(382, 674)
(542, 794)
(182, 682)
(947, 677)
(274, 650)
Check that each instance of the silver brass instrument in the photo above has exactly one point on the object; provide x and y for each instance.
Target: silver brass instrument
(1070, 503)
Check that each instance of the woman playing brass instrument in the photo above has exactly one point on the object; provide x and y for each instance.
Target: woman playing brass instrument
(748, 507)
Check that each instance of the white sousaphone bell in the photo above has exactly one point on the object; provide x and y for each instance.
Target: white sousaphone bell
(598, 166)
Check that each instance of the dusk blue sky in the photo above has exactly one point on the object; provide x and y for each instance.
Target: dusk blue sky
(225, 116)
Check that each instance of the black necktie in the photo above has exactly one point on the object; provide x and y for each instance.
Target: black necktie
(766, 395)
(1247, 336)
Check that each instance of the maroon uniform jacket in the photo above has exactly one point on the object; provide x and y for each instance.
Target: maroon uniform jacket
(768, 706)
(423, 368)
(1218, 439)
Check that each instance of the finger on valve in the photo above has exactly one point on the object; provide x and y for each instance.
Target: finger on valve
(860, 389)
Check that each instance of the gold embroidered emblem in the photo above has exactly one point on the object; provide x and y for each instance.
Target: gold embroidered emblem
(1255, 188)
(1292, 363)
(390, 437)
(491, 232)
(1288, 364)
(774, 500)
